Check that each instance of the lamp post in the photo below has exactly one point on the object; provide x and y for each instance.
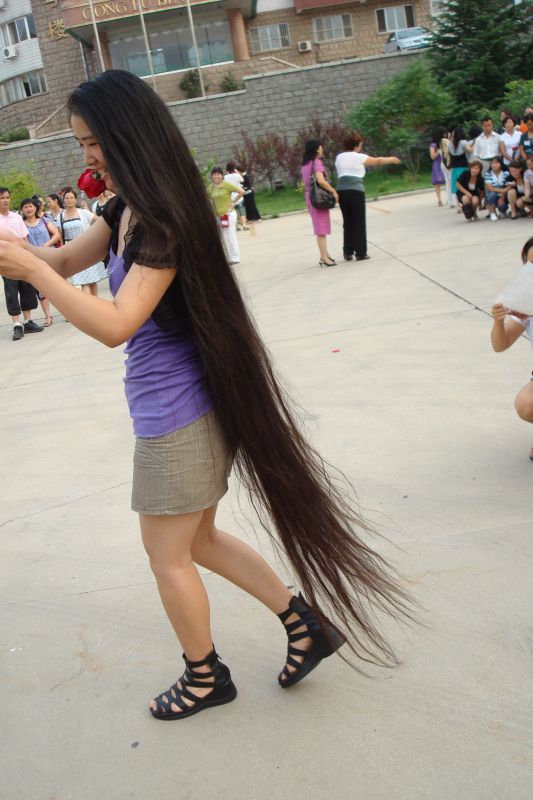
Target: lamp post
(96, 37)
(147, 43)
(195, 46)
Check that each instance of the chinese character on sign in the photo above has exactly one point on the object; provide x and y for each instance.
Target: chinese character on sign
(52, 3)
(56, 29)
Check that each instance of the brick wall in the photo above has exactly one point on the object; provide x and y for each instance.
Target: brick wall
(283, 102)
(63, 68)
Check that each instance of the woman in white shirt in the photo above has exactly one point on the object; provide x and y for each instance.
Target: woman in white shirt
(509, 141)
(351, 168)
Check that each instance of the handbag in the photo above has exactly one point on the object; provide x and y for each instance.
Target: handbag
(224, 221)
(320, 198)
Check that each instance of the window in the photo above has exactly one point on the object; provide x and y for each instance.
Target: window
(172, 49)
(338, 26)
(22, 86)
(437, 7)
(270, 37)
(395, 18)
(18, 30)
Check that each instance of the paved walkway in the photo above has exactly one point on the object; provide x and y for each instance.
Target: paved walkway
(391, 360)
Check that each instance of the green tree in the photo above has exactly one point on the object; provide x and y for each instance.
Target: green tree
(20, 185)
(397, 116)
(480, 45)
(518, 96)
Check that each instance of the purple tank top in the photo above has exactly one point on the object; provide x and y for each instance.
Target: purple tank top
(165, 379)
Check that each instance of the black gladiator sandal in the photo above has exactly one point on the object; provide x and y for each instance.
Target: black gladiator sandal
(326, 641)
(223, 691)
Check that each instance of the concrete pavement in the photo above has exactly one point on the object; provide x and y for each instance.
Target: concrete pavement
(418, 411)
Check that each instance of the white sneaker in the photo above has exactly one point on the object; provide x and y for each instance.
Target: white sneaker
(494, 217)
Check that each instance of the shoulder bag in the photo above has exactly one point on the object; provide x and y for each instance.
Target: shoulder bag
(320, 198)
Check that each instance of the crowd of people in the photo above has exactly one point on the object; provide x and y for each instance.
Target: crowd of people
(489, 169)
(49, 221)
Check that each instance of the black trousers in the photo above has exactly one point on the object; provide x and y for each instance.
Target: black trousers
(20, 296)
(352, 203)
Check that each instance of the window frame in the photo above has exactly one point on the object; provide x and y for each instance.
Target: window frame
(282, 46)
(383, 11)
(14, 90)
(10, 31)
(342, 18)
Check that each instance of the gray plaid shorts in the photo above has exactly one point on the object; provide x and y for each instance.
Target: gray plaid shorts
(185, 471)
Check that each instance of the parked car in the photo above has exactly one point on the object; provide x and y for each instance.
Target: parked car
(408, 39)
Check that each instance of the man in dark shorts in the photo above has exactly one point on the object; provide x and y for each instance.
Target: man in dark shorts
(21, 297)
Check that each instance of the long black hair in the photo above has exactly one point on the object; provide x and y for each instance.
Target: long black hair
(310, 150)
(286, 479)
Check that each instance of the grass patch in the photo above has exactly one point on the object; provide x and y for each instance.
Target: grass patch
(377, 183)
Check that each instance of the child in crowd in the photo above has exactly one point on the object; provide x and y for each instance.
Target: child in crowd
(505, 332)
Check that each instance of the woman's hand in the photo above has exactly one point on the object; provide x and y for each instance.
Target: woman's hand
(499, 312)
(18, 263)
(336, 196)
(10, 238)
(395, 160)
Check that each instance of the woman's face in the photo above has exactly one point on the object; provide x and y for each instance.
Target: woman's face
(92, 152)
(29, 210)
(69, 199)
(217, 178)
(52, 204)
(475, 170)
(320, 151)
(516, 173)
(495, 166)
(509, 126)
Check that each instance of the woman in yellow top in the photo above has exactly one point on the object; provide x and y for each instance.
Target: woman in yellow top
(220, 192)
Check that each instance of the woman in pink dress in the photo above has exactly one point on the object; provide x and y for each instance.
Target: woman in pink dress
(319, 217)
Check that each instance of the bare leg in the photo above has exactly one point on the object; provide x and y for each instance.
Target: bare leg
(512, 196)
(234, 560)
(323, 249)
(437, 192)
(45, 305)
(167, 541)
(93, 287)
(86, 288)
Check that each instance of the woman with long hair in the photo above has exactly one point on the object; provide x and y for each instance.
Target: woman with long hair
(350, 166)
(312, 164)
(203, 397)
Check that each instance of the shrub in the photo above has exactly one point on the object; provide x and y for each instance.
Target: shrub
(518, 96)
(190, 84)
(20, 185)
(229, 83)
(332, 135)
(397, 116)
(14, 135)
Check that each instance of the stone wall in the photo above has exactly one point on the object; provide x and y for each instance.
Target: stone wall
(282, 102)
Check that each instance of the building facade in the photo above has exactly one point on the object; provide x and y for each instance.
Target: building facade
(65, 40)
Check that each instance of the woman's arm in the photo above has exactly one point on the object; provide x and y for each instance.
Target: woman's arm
(464, 191)
(111, 322)
(83, 251)
(380, 161)
(55, 236)
(321, 180)
(503, 335)
(433, 152)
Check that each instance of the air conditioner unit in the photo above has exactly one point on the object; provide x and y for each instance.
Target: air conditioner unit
(9, 52)
(3, 3)
(303, 47)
